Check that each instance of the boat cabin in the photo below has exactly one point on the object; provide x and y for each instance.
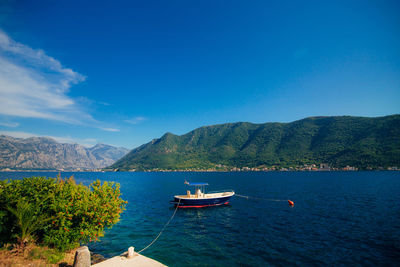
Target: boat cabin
(199, 190)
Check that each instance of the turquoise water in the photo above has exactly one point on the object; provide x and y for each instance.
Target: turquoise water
(339, 218)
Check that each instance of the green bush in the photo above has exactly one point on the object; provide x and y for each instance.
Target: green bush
(74, 213)
(29, 219)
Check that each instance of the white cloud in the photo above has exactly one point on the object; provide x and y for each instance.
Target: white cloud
(18, 134)
(104, 103)
(34, 85)
(9, 124)
(109, 129)
(38, 58)
(87, 142)
(136, 120)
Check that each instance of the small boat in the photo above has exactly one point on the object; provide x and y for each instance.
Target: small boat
(201, 199)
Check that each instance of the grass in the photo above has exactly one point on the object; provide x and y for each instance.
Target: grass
(34, 255)
(51, 256)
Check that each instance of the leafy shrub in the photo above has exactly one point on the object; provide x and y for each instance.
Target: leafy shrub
(29, 219)
(75, 213)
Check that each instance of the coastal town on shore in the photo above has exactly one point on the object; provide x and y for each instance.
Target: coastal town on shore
(220, 168)
(311, 167)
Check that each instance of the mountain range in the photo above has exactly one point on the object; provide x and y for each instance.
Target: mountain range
(46, 153)
(338, 141)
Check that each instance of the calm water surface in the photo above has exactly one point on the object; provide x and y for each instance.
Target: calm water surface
(339, 218)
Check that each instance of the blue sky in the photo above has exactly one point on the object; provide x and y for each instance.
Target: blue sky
(125, 72)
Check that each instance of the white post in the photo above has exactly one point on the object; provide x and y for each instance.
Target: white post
(131, 252)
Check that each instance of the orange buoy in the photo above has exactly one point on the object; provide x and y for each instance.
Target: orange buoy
(291, 203)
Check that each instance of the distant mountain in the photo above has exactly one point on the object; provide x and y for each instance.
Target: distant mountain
(339, 141)
(46, 153)
(107, 154)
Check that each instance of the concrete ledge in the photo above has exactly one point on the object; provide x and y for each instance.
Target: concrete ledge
(123, 261)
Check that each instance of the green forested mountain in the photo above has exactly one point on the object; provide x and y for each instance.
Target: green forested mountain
(339, 141)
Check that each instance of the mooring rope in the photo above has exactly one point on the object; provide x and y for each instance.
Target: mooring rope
(162, 230)
(259, 198)
(177, 205)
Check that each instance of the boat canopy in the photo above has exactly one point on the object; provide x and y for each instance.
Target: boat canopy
(197, 184)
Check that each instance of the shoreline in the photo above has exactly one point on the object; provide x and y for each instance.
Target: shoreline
(208, 171)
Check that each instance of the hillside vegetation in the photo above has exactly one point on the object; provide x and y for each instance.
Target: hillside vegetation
(339, 141)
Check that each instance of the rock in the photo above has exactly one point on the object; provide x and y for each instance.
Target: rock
(82, 257)
(46, 153)
(96, 258)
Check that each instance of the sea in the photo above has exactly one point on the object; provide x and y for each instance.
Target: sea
(338, 218)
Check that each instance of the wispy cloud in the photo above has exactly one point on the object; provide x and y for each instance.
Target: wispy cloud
(109, 129)
(136, 120)
(104, 103)
(87, 142)
(9, 124)
(35, 85)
